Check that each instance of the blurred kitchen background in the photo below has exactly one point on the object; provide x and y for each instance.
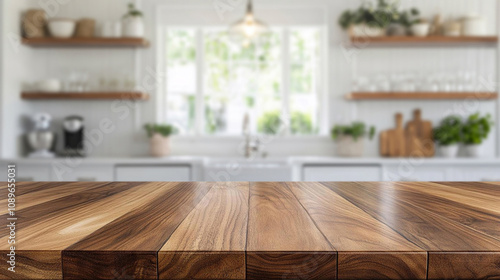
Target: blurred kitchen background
(179, 90)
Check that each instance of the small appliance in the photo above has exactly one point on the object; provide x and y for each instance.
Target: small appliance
(41, 140)
(73, 136)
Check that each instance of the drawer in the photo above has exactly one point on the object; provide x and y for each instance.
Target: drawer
(144, 173)
(339, 173)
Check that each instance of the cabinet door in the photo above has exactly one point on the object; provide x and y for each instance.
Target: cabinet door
(176, 173)
(35, 173)
(415, 173)
(83, 173)
(476, 173)
(341, 173)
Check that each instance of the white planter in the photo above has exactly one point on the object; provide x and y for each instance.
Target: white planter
(159, 145)
(133, 27)
(363, 30)
(449, 151)
(420, 29)
(347, 147)
(473, 150)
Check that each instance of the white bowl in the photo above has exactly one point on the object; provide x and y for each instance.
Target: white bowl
(420, 29)
(62, 28)
(49, 85)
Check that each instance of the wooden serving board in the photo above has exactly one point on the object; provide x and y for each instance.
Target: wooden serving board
(262, 230)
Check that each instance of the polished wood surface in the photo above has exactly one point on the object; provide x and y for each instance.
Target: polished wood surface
(241, 230)
(417, 41)
(422, 96)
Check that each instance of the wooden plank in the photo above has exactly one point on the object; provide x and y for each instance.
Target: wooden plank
(367, 248)
(415, 41)
(429, 231)
(283, 241)
(44, 230)
(479, 218)
(488, 188)
(85, 42)
(85, 96)
(421, 95)
(210, 243)
(464, 265)
(38, 193)
(128, 246)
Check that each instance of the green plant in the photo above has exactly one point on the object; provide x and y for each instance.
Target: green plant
(301, 123)
(132, 11)
(162, 129)
(476, 129)
(356, 130)
(270, 123)
(380, 16)
(449, 131)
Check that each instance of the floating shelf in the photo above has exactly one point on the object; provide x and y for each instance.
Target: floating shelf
(421, 95)
(87, 42)
(430, 40)
(84, 96)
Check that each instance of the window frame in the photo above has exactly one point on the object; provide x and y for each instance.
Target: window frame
(199, 129)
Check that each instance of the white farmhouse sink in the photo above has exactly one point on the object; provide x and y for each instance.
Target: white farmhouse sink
(253, 170)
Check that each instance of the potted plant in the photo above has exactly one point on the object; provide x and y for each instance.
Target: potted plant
(475, 130)
(159, 135)
(133, 23)
(448, 135)
(367, 20)
(420, 28)
(350, 138)
(401, 21)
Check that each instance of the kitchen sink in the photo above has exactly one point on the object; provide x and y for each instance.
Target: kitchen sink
(253, 169)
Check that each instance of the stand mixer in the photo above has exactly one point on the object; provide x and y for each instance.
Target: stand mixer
(41, 139)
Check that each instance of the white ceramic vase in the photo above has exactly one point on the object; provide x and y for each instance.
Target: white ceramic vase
(363, 30)
(449, 151)
(159, 145)
(133, 26)
(473, 151)
(348, 147)
(420, 29)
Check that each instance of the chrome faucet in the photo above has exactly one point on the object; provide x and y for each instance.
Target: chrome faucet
(251, 144)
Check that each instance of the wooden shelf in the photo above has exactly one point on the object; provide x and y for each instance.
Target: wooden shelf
(87, 42)
(430, 40)
(421, 95)
(84, 96)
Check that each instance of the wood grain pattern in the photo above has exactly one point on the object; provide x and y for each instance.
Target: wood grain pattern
(279, 224)
(357, 235)
(464, 265)
(85, 96)
(217, 225)
(110, 248)
(349, 230)
(400, 265)
(85, 42)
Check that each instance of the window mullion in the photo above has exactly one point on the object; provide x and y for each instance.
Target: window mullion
(200, 85)
(285, 50)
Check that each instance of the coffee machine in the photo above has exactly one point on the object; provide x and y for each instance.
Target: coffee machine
(73, 136)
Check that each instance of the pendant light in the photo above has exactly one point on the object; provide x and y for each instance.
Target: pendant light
(248, 29)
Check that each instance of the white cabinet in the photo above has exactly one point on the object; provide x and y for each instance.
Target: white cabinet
(36, 173)
(339, 173)
(158, 173)
(82, 173)
(408, 172)
(475, 173)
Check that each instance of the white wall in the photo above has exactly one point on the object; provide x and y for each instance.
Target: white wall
(128, 139)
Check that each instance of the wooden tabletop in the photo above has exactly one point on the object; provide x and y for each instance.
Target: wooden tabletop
(333, 230)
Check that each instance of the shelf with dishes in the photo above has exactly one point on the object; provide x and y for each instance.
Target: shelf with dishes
(421, 95)
(128, 95)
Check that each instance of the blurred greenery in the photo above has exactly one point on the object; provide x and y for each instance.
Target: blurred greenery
(476, 129)
(301, 123)
(355, 129)
(270, 123)
(449, 131)
(163, 129)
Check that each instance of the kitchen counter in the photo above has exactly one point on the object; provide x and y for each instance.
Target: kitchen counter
(255, 230)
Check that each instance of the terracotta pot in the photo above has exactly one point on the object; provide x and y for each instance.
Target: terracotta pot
(348, 147)
(159, 145)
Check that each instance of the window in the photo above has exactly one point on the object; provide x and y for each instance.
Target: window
(213, 83)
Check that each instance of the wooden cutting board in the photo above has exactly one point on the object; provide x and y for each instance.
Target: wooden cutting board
(396, 138)
(422, 130)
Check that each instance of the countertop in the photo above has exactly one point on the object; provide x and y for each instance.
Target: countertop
(201, 230)
(293, 160)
